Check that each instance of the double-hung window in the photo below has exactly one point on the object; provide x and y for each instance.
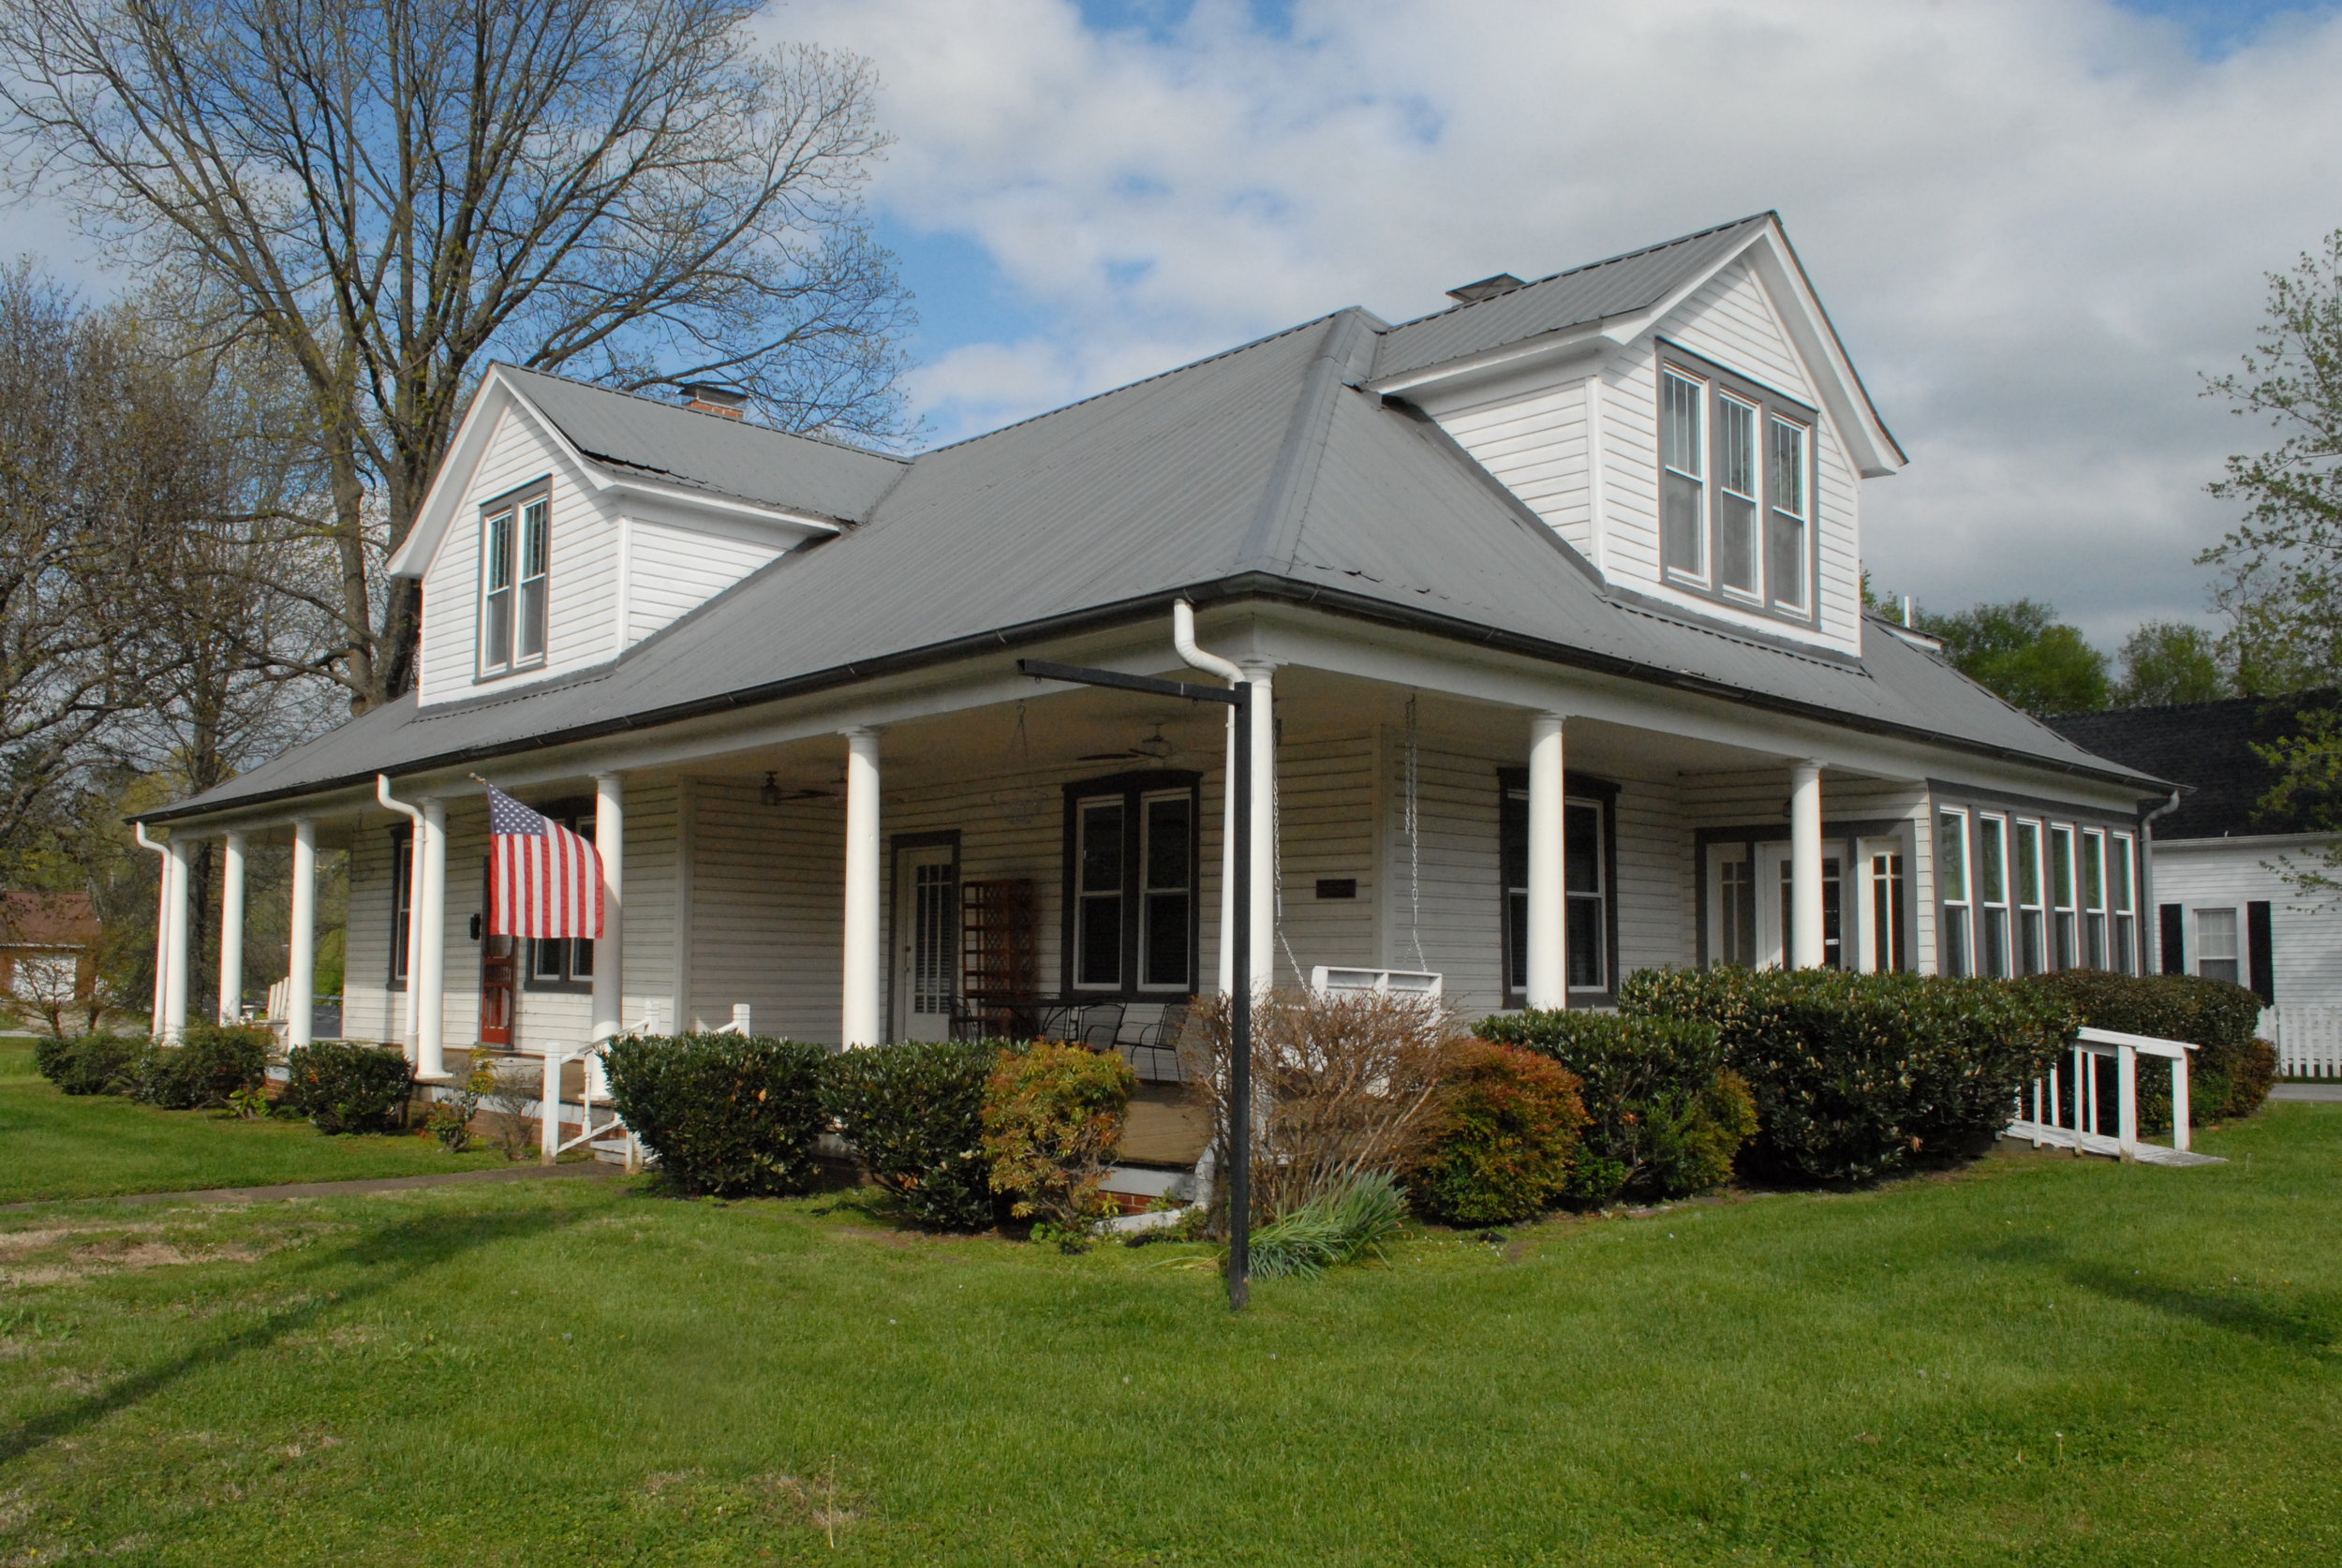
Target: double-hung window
(2216, 954)
(2094, 898)
(1951, 876)
(1130, 896)
(2119, 869)
(2064, 918)
(1736, 487)
(515, 564)
(2032, 928)
(1992, 879)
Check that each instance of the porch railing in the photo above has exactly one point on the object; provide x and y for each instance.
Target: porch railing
(2066, 1109)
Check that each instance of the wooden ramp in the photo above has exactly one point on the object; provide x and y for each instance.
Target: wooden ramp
(2041, 1135)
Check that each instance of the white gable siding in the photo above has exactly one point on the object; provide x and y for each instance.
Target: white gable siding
(672, 570)
(584, 568)
(1730, 321)
(1536, 444)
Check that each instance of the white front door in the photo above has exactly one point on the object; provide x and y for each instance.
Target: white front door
(927, 940)
(1748, 900)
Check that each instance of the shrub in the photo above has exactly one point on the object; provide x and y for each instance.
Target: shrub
(91, 1064)
(211, 1062)
(1332, 1228)
(1511, 1135)
(1666, 1116)
(2230, 1075)
(450, 1121)
(1053, 1116)
(728, 1114)
(913, 1114)
(1344, 1084)
(1856, 1075)
(343, 1086)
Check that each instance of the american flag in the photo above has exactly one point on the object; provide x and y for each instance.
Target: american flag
(544, 879)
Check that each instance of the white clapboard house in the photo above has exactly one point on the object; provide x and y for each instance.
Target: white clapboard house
(2227, 905)
(1556, 593)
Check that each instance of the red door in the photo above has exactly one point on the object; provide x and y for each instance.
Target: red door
(497, 956)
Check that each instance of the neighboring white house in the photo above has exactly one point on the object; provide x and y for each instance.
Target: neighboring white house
(2224, 906)
(1556, 593)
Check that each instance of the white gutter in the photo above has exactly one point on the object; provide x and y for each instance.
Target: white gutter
(417, 830)
(1183, 639)
(162, 922)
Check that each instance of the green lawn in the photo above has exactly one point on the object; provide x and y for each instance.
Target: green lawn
(54, 1145)
(2041, 1360)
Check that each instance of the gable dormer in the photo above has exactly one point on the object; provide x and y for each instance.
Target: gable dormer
(1684, 415)
(571, 522)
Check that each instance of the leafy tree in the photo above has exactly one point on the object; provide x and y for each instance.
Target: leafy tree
(2167, 662)
(391, 193)
(2022, 651)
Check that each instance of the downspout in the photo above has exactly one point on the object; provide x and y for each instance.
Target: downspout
(416, 829)
(2146, 876)
(1183, 639)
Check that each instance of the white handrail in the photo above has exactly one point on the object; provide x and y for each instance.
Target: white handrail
(2067, 1113)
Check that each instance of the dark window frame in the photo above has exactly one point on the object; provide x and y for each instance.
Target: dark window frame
(515, 501)
(402, 906)
(577, 814)
(1512, 782)
(896, 846)
(2113, 832)
(1844, 837)
(1132, 789)
(1719, 382)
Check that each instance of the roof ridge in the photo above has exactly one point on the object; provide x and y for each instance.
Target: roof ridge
(683, 408)
(1274, 538)
(1588, 267)
(1143, 380)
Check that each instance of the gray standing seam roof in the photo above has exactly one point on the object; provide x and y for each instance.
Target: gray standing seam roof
(1622, 286)
(712, 452)
(1266, 471)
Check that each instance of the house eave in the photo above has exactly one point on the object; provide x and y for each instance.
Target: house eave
(1245, 585)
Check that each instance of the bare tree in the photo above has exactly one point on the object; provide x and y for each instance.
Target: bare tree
(393, 192)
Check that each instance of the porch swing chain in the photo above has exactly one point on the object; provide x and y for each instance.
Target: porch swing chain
(1414, 842)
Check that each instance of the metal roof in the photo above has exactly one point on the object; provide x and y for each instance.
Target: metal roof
(1264, 471)
(1623, 286)
(713, 452)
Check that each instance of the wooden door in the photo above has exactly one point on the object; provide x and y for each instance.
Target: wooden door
(498, 956)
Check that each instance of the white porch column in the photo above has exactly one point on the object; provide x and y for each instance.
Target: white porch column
(301, 942)
(426, 979)
(162, 922)
(1548, 980)
(232, 929)
(180, 884)
(1264, 946)
(1805, 906)
(609, 948)
(862, 1008)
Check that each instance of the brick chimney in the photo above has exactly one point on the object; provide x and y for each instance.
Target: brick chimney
(708, 398)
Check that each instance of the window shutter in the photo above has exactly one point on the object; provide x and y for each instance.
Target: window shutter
(2174, 942)
(2262, 959)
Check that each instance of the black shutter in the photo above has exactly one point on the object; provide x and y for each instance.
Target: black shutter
(2175, 939)
(2264, 960)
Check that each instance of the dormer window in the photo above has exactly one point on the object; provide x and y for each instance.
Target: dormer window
(516, 552)
(1735, 489)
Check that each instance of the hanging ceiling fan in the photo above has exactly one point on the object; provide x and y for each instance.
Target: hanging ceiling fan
(1154, 749)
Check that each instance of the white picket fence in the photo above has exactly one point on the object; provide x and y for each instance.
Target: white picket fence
(2308, 1040)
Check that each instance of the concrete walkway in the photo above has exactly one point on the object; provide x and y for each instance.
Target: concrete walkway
(338, 1188)
(2306, 1091)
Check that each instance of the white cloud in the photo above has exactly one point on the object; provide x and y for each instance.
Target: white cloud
(2035, 222)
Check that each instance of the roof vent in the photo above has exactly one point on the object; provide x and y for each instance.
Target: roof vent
(1486, 288)
(708, 398)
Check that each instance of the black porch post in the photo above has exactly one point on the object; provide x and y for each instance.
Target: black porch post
(1240, 1013)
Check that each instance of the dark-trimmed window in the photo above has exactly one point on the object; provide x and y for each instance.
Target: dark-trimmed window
(515, 571)
(563, 963)
(1131, 862)
(1589, 877)
(1736, 488)
(402, 900)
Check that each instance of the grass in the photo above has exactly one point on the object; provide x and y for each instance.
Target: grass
(52, 1146)
(2039, 1361)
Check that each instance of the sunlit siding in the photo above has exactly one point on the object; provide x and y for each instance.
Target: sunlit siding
(671, 571)
(1537, 445)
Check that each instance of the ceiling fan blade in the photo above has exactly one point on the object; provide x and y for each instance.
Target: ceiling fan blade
(1108, 756)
